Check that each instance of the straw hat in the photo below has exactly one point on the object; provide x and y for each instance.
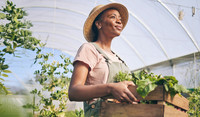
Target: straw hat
(87, 29)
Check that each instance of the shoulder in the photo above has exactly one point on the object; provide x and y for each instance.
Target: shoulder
(87, 45)
(88, 49)
(88, 54)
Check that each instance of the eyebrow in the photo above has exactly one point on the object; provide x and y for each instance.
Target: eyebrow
(115, 15)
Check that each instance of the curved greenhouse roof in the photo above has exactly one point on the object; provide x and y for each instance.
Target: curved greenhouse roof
(157, 30)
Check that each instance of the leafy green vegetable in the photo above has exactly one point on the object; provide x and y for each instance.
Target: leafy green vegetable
(123, 77)
(194, 105)
(145, 87)
(147, 82)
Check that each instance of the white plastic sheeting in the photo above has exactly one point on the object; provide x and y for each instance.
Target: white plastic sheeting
(186, 69)
(154, 37)
(153, 34)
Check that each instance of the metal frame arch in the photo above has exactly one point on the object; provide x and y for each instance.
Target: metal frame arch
(67, 52)
(149, 30)
(58, 34)
(70, 53)
(78, 28)
(133, 48)
(82, 13)
(182, 25)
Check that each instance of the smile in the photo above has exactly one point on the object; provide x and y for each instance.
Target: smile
(119, 27)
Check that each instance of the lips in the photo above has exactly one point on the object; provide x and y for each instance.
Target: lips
(119, 27)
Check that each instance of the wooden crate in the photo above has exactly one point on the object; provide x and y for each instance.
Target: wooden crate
(166, 106)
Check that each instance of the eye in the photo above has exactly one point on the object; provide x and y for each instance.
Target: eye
(120, 18)
(113, 16)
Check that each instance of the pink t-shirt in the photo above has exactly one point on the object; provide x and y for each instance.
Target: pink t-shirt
(98, 73)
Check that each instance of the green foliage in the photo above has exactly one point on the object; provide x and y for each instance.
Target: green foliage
(10, 106)
(145, 87)
(123, 77)
(53, 77)
(194, 105)
(14, 34)
(76, 113)
(147, 82)
(79, 113)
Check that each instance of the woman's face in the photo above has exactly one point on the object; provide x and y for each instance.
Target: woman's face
(110, 23)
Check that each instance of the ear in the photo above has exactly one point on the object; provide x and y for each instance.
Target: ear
(98, 24)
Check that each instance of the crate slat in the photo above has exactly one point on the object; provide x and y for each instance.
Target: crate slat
(131, 110)
(177, 100)
(161, 109)
(159, 94)
(172, 112)
(139, 110)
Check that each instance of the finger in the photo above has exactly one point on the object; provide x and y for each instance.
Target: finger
(127, 99)
(131, 96)
(134, 103)
(121, 99)
(129, 83)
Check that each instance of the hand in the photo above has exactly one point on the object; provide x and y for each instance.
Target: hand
(121, 92)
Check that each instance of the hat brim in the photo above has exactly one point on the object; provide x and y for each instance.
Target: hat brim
(87, 29)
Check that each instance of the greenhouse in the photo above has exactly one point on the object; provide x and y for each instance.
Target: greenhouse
(161, 37)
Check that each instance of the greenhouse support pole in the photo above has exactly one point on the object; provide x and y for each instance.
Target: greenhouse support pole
(173, 67)
(34, 105)
(195, 68)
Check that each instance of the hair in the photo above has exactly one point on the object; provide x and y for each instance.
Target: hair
(94, 27)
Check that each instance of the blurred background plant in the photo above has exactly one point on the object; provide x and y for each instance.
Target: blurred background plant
(51, 98)
(14, 33)
(194, 99)
(53, 95)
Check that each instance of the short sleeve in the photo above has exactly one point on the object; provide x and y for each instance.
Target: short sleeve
(87, 54)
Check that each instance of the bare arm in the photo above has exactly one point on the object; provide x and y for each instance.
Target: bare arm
(80, 92)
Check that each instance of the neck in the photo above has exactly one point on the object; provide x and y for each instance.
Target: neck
(104, 43)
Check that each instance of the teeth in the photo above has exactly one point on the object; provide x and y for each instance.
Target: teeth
(118, 27)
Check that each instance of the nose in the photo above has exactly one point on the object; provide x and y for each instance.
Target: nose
(119, 20)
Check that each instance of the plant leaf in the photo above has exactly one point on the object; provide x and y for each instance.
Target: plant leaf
(1, 28)
(145, 87)
(166, 87)
(4, 75)
(2, 79)
(7, 71)
(2, 16)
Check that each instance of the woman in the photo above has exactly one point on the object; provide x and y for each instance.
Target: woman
(95, 64)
